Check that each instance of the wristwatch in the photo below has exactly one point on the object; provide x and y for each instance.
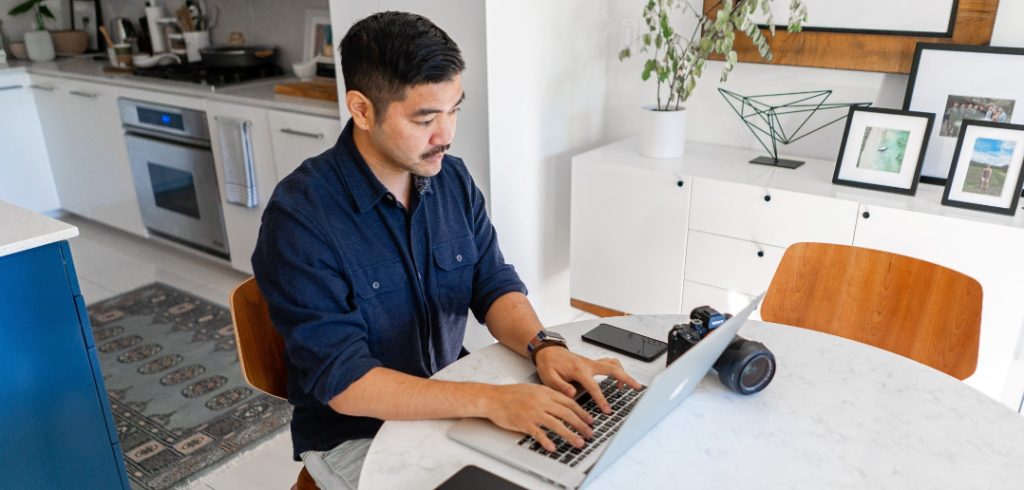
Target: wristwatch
(544, 338)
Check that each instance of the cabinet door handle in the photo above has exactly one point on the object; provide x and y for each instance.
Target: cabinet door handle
(679, 183)
(83, 94)
(760, 253)
(866, 215)
(10, 87)
(44, 88)
(767, 197)
(318, 136)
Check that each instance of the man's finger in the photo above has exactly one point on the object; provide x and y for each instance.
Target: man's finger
(555, 382)
(577, 409)
(567, 434)
(572, 418)
(595, 392)
(615, 370)
(540, 435)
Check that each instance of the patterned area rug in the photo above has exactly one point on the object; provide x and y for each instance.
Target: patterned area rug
(175, 386)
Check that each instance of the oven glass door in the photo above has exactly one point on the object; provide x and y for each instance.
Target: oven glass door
(178, 193)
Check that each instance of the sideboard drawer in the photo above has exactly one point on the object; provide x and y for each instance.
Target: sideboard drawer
(769, 216)
(731, 264)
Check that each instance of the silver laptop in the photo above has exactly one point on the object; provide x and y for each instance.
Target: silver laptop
(634, 414)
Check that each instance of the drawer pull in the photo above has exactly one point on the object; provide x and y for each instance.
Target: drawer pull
(318, 136)
(679, 183)
(83, 94)
(866, 215)
(767, 198)
(10, 87)
(760, 253)
(44, 88)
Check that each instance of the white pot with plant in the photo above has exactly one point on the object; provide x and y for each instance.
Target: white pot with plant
(38, 43)
(676, 62)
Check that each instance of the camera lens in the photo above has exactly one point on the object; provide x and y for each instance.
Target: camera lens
(746, 367)
(754, 374)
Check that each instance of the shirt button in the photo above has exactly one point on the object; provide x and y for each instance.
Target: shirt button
(458, 258)
(376, 285)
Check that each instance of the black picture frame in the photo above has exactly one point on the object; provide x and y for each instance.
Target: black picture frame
(941, 155)
(922, 146)
(95, 37)
(951, 180)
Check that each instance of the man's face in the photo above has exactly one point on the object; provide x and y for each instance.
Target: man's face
(415, 132)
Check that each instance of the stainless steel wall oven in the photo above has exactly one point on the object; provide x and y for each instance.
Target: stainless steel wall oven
(174, 174)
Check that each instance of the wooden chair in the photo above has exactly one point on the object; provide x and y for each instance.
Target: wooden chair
(914, 308)
(261, 351)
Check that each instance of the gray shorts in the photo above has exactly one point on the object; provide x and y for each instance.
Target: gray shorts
(338, 468)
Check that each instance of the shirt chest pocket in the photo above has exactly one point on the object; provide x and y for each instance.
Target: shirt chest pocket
(379, 280)
(385, 303)
(455, 261)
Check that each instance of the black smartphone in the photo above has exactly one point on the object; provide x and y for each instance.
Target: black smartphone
(625, 342)
(474, 478)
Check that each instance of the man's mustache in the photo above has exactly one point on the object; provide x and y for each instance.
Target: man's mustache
(435, 151)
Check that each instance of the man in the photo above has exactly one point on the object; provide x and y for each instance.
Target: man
(372, 254)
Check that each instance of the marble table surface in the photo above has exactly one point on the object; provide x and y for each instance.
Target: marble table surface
(838, 415)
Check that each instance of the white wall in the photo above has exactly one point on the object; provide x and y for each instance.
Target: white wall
(546, 71)
(710, 120)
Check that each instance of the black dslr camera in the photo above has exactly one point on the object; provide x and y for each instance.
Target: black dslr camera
(745, 367)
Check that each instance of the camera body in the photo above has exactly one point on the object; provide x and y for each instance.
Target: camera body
(745, 367)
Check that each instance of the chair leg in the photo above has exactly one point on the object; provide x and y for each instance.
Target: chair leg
(305, 481)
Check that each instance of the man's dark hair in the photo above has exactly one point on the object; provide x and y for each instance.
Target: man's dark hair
(388, 52)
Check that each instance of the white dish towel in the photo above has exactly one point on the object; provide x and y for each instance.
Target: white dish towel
(237, 159)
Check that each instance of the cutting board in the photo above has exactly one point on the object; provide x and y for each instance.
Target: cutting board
(316, 89)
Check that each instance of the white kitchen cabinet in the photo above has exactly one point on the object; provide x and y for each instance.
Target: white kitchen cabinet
(25, 177)
(82, 129)
(730, 263)
(243, 223)
(296, 137)
(988, 253)
(628, 237)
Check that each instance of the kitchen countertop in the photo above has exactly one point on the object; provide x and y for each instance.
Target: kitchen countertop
(258, 93)
(21, 229)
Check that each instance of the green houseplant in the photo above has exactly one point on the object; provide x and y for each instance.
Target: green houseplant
(675, 61)
(38, 43)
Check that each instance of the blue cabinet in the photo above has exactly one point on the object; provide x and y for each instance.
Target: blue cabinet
(56, 430)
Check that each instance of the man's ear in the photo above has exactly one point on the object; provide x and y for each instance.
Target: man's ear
(361, 109)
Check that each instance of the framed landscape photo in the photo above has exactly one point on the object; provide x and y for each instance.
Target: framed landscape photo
(963, 83)
(985, 174)
(883, 149)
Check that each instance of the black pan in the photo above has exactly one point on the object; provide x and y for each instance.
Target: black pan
(238, 56)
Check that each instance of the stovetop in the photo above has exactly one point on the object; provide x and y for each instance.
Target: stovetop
(205, 75)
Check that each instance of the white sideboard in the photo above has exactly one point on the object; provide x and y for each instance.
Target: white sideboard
(664, 236)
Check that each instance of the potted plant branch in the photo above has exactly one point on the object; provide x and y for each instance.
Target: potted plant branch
(38, 43)
(676, 61)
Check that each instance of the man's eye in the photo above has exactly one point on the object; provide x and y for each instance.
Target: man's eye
(425, 123)
(456, 110)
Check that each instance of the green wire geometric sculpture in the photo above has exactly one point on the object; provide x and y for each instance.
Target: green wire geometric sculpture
(761, 115)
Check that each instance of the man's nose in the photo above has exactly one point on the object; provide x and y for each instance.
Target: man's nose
(444, 132)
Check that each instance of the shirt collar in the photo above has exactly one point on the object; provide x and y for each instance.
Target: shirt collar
(366, 189)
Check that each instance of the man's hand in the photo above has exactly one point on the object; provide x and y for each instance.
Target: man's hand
(529, 408)
(558, 368)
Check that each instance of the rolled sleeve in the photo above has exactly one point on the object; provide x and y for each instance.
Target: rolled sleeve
(309, 295)
(493, 277)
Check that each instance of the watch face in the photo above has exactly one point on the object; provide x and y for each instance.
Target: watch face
(554, 335)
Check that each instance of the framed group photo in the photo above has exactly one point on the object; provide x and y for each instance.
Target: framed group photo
(986, 171)
(963, 83)
(883, 149)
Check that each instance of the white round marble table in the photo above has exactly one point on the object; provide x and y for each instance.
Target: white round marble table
(838, 415)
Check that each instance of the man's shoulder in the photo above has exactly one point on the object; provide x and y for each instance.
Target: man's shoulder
(307, 184)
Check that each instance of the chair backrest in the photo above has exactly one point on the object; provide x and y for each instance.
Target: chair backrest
(914, 308)
(260, 347)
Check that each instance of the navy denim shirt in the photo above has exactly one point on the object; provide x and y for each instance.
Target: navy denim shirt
(355, 281)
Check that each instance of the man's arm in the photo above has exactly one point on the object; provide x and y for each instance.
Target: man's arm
(512, 320)
(392, 395)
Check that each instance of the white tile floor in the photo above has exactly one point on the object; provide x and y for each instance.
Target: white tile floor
(110, 262)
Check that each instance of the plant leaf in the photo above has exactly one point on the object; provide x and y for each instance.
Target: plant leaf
(43, 9)
(24, 7)
(624, 54)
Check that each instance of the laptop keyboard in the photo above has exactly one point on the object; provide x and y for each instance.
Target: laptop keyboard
(622, 402)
